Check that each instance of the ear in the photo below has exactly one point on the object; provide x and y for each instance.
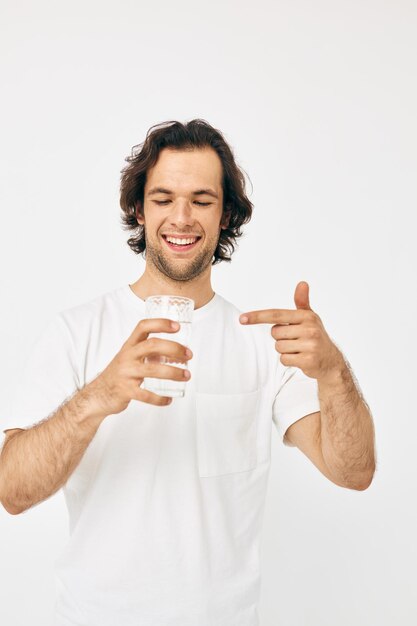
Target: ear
(226, 218)
(138, 212)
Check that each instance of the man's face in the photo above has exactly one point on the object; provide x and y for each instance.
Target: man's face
(183, 212)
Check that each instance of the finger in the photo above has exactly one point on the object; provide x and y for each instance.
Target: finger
(274, 316)
(287, 346)
(286, 331)
(290, 360)
(151, 325)
(154, 346)
(159, 370)
(143, 395)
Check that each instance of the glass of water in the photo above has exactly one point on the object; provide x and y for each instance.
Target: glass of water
(180, 310)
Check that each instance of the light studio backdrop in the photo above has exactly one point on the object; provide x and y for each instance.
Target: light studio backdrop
(318, 102)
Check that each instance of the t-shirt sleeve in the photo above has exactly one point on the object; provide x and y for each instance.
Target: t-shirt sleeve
(297, 396)
(47, 378)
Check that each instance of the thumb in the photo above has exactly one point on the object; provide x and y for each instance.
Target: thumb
(301, 298)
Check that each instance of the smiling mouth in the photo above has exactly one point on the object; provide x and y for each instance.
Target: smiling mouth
(180, 247)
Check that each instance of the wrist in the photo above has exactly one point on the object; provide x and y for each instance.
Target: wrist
(87, 406)
(335, 376)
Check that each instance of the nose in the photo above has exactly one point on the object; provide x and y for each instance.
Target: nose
(181, 214)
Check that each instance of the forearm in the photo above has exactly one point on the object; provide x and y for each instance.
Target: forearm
(37, 462)
(347, 429)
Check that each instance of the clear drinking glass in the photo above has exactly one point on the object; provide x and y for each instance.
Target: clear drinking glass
(180, 310)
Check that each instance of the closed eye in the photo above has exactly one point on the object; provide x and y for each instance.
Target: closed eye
(196, 202)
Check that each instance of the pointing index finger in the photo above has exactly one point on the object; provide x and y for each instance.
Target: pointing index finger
(273, 316)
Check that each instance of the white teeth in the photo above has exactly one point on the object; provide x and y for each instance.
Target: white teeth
(181, 242)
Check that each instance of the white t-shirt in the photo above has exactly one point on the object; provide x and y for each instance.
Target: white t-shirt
(165, 507)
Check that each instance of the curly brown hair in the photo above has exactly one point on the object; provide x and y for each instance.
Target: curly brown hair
(193, 135)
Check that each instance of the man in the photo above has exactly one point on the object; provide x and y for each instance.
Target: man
(165, 497)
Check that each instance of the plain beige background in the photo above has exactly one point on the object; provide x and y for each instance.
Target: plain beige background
(318, 101)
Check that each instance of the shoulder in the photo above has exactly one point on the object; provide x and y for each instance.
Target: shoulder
(87, 319)
(92, 308)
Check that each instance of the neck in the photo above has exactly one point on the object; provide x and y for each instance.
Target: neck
(152, 284)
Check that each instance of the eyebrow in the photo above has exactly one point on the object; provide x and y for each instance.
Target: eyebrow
(198, 192)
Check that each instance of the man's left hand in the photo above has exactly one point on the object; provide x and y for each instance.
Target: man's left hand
(300, 337)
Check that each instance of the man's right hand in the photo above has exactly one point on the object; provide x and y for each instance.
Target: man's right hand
(119, 383)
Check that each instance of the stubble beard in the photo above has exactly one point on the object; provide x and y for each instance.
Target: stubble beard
(181, 269)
